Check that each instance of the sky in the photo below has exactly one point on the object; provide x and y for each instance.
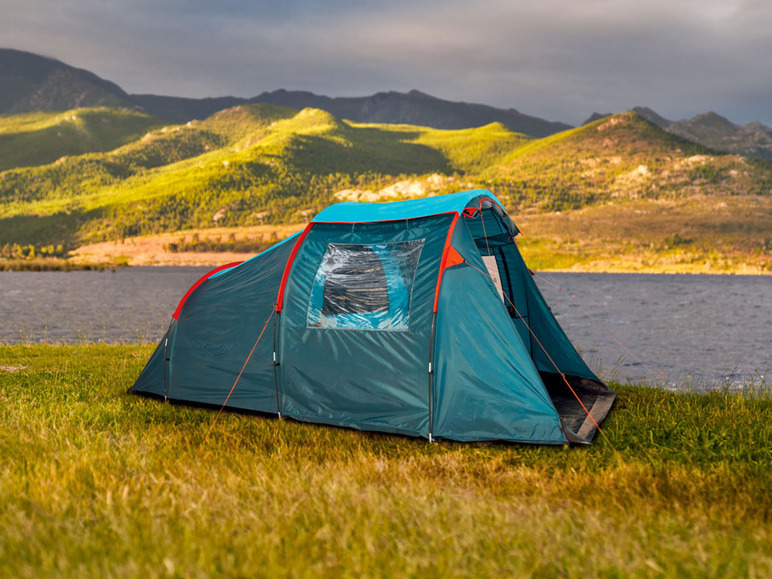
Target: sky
(560, 60)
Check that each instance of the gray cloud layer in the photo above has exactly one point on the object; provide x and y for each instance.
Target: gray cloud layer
(560, 59)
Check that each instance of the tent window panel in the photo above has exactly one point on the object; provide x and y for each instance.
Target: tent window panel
(364, 286)
(354, 286)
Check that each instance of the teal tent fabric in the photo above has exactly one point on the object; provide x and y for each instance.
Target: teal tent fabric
(351, 212)
(372, 380)
(216, 330)
(417, 317)
(485, 380)
(152, 379)
(487, 388)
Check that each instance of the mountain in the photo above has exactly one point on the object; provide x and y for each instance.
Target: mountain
(652, 117)
(35, 83)
(596, 117)
(181, 110)
(414, 108)
(32, 139)
(619, 187)
(29, 82)
(718, 133)
(618, 158)
(262, 163)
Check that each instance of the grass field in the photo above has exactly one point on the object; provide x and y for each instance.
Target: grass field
(97, 482)
(699, 234)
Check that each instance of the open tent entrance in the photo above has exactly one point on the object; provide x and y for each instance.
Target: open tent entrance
(571, 385)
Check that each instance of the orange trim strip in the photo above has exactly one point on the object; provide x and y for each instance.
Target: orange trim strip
(489, 199)
(444, 261)
(285, 275)
(178, 311)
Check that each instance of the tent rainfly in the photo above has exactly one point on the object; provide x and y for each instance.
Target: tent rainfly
(414, 317)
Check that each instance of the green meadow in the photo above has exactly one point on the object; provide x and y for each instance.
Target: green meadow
(98, 482)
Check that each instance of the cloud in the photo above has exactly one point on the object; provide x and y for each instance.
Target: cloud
(560, 59)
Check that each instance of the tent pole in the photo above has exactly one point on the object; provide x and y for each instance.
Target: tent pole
(166, 344)
(431, 376)
(275, 364)
(167, 359)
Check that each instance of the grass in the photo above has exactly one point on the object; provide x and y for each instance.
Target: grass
(59, 264)
(99, 482)
(699, 234)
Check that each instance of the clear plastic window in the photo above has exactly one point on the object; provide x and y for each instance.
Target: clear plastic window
(364, 286)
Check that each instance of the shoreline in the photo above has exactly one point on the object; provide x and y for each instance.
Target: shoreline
(540, 254)
(216, 259)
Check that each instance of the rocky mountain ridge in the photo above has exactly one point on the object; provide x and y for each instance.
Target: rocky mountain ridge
(29, 82)
(716, 132)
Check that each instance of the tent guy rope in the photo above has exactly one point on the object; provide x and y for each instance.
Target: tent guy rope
(252, 351)
(555, 285)
(514, 307)
(562, 375)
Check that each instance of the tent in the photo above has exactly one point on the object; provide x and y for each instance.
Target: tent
(413, 317)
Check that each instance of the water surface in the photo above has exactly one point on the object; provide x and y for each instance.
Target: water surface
(681, 330)
(678, 330)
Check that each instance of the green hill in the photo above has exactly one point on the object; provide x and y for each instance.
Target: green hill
(257, 164)
(250, 159)
(33, 139)
(620, 158)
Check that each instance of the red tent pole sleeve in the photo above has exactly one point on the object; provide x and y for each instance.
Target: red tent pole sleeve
(176, 314)
(449, 256)
(288, 267)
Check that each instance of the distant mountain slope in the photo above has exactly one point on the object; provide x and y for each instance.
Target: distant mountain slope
(653, 117)
(622, 157)
(716, 132)
(181, 110)
(415, 108)
(29, 82)
(596, 117)
(412, 108)
(249, 164)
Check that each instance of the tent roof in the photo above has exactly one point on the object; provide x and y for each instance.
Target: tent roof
(355, 212)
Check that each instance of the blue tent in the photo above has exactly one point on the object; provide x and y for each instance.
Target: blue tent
(414, 317)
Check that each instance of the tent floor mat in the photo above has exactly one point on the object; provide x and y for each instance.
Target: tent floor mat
(596, 397)
(576, 418)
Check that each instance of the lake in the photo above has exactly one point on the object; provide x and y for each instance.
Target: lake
(676, 331)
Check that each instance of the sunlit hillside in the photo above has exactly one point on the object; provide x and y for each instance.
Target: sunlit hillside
(262, 164)
(621, 158)
(39, 138)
